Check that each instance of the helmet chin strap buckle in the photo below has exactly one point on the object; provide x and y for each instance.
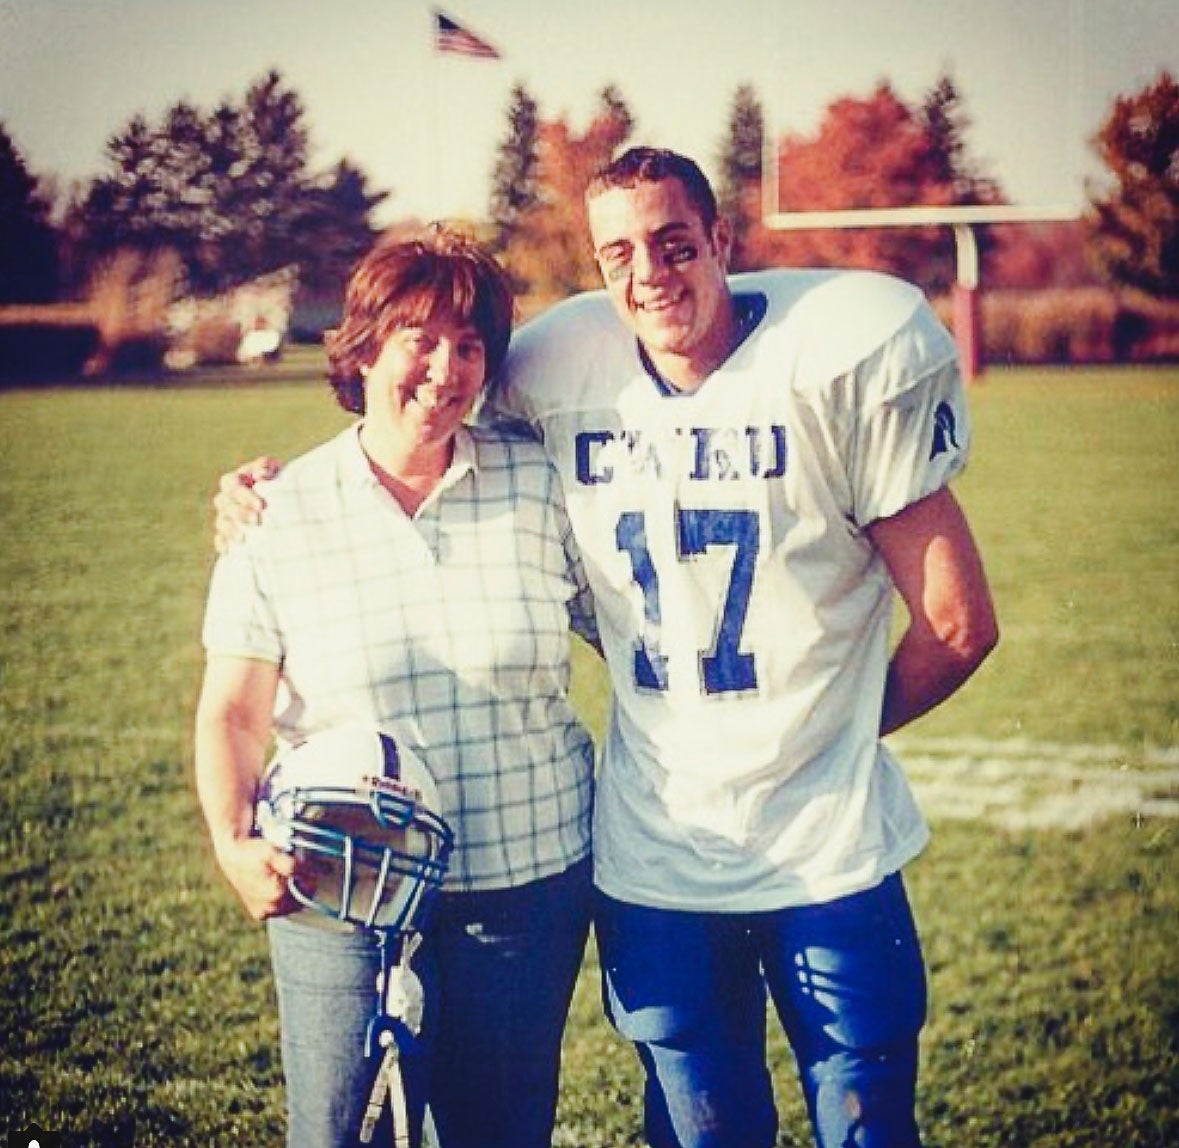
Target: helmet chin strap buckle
(392, 1031)
(401, 998)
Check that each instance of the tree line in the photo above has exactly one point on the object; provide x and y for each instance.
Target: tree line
(230, 194)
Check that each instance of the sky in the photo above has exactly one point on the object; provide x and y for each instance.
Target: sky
(1038, 76)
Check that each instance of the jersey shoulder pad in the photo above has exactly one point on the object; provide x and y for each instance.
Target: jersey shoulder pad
(833, 323)
(562, 355)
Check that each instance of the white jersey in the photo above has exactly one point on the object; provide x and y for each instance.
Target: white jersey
(743, 611)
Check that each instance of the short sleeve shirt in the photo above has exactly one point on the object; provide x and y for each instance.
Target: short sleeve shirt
(448, 629)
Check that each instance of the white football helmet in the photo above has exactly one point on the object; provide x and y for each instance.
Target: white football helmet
(358, 811)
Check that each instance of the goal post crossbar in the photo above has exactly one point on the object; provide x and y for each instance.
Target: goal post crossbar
(963, 220)
(920, 216)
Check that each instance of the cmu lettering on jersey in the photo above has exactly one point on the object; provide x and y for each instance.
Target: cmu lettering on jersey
(700, 454)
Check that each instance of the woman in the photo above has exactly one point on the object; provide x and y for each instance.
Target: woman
(419, 574)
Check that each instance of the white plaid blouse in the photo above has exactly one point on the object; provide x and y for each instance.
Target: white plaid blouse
(450, 630)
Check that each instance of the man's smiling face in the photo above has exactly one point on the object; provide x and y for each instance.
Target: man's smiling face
(664, 270)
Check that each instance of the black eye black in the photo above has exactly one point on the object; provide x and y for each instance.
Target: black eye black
(680, 252)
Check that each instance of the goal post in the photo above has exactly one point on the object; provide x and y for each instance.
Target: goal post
(967, 321)
(1024, 76)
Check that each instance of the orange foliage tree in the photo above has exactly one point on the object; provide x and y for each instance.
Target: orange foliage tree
(876, 152)
(549, 251)
(1034, 256)
(1134, 228)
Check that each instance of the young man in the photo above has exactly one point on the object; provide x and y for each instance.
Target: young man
(750, 469)
(751, 466)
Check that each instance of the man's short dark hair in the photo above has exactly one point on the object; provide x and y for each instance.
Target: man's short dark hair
(651, 165)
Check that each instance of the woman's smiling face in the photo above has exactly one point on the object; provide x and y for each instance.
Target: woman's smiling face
(425, 380)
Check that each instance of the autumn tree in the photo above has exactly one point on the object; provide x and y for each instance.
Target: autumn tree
(28, 257)
(1134, 226)
(739, 185)
(550, 254)
(877, 152)
(1035, 256)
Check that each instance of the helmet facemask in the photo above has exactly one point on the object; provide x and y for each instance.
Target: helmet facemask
(368, 852)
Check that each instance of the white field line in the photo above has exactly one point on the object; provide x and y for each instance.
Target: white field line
(1015, 782)
(1021, 784)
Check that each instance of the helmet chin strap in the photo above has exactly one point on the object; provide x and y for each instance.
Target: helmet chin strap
(393, 1029)
(376, 848)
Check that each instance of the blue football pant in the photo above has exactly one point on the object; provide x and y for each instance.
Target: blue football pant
(847, 980)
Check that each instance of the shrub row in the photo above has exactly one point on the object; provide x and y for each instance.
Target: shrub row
(1082, 325)
(1078, 325)
(35, 350)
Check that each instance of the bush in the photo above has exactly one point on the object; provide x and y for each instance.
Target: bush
(1074, 325)
(135, 352)
(215, 340)
(1056, 326)
(37, 350)
(1148, 328)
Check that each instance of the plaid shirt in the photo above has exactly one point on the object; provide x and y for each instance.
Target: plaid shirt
(449, 629)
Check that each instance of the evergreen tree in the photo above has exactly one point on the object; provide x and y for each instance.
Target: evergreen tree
(946, 122)
(268, 196)
(28, 254)
(739, 186)
(614, 110)
(230, 191)
(515, 175)
(947, 127)
(1134, 229)
(336, 217)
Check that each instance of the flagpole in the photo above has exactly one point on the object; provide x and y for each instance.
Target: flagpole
(452, 38)
(436, 110)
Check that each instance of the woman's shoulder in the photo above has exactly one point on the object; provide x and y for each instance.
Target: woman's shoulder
(309, 477)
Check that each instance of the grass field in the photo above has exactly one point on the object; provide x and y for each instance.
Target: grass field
(135, 998)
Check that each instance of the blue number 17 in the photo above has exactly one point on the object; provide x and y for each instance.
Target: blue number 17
(724, 668)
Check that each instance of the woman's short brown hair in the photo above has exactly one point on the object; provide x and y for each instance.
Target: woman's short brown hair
(404, 283)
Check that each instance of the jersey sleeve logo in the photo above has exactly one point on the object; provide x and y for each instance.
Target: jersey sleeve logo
(945, 430)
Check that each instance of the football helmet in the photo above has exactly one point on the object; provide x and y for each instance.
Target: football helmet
(359, 812)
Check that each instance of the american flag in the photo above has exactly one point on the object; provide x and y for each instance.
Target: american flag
(450, 36)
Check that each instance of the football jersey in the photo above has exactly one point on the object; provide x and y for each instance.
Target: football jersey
(743, 611)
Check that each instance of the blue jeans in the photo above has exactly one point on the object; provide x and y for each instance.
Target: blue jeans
(848, 982)
(499, 969)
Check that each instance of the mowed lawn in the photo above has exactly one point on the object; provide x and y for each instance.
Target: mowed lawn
(135, 1000)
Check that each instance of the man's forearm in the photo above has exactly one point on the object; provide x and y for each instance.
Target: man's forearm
(925, 670)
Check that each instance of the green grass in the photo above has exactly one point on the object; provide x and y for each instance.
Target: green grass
(1073, 492)
(133, 990)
